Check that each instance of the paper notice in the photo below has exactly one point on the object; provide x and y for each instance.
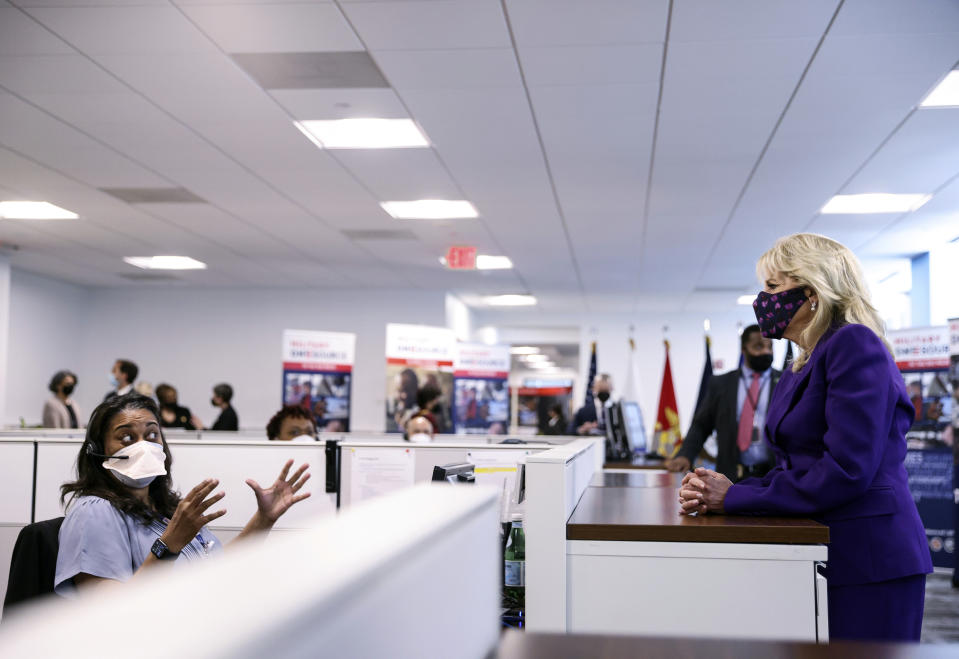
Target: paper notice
(376, 471)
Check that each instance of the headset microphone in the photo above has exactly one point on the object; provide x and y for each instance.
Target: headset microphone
(94, 454)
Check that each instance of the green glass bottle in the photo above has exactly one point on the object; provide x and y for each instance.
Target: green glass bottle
(514, 586)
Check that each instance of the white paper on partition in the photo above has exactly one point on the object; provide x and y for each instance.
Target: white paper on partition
(497, 467)
(376, 471)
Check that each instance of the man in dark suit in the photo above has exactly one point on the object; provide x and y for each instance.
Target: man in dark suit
(735, 407)
(591, 419)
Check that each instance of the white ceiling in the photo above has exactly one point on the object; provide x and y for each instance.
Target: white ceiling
(615, 149)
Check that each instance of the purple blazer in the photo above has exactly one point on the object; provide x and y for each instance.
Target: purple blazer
(838, 430)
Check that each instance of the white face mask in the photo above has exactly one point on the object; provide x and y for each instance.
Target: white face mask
(144, 463)
(421, 437)
(303, 438)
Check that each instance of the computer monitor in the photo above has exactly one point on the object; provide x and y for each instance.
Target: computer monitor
(617, 445)
(455, 472)
(633, 422)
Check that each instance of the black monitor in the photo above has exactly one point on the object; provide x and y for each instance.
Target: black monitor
(617, 445)
(455, 472)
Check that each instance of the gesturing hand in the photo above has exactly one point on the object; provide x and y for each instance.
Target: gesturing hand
(189, 516)
(703, 491)
(275, 500)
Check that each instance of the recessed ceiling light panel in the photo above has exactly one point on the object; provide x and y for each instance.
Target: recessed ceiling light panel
(165, 262)
(487, 262)
(363, 133)
(34, 210)
(854, 204)
(946, 93)
(430, 209)
(510, 300)
(744, 300)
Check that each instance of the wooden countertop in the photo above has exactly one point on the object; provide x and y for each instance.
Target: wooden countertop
(528, 645)
(636, 478)
(651, 514)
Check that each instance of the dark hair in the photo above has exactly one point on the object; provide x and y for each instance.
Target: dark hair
(129, 369)
(287, 412)
(58, 379)
(94, 480)
(744, 337)
(558, 409)
(161, 389)
(427, 394)
(224, 392)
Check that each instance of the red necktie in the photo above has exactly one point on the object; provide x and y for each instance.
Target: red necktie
(745, 436)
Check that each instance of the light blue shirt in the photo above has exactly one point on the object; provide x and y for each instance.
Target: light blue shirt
(99, 540)
(758, 451)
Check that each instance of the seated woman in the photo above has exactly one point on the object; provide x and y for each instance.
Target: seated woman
(291, 423)
(123, 517)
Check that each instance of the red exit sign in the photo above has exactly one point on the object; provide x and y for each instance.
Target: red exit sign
(461, 258)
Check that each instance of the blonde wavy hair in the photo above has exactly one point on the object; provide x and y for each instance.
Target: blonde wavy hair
(834, 273)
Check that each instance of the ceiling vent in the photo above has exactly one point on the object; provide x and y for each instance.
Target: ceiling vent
(154, 195)
(379, 234)
(312, 70)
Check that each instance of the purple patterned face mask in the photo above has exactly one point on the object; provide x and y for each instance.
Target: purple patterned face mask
(774, 311)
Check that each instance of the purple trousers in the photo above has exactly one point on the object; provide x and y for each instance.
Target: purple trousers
(883, 611)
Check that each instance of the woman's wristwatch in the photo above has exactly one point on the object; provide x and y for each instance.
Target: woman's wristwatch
(162, 552)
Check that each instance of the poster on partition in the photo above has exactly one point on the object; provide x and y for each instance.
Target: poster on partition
(318, 374)
(419, 358)
(537, 397)
(923, 357)
(480, 389)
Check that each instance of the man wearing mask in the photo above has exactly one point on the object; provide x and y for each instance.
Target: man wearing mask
(122, 376)
(591, 419)
(735, 407)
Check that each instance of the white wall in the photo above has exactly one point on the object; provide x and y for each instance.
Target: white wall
(46, 321)
(195, 338)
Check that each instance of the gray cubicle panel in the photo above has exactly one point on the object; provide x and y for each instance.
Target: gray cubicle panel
(417, 466)
(16, 472)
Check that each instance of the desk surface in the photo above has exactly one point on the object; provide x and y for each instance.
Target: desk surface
(526, 645)
(636, 478)
(637, 463)
(651, 514)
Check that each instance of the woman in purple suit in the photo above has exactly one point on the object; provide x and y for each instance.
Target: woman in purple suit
(837, 424)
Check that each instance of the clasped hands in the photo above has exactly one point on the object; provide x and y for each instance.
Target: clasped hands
(703, 491)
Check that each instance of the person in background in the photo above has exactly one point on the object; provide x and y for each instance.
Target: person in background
(837, 425)
(123, 516)
(735, 407)
(292, 423)
(319, 413)
(172, 414)
(404, 400)
(428, 400)
(556, 425)
(222, 397)
(122, 377)
(591, 419)
(60, 410)
(419, 430)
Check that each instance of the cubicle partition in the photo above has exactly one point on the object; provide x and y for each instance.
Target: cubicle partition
(334, 590)
(373, 468)
(611, 555)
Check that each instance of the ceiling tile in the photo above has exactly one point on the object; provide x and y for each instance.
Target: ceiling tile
(431, 24)
(21, 35)
(275, 28)
(598, 22)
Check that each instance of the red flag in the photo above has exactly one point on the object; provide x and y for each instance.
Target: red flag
(668, 437)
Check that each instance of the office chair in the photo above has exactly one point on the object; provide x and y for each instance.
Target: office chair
(34, 563)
